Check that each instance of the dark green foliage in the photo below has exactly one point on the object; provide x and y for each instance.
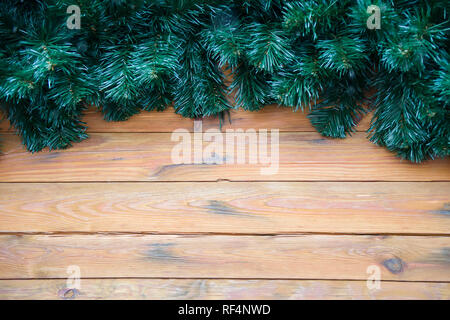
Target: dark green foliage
(314, 55)
(412, 115)
(251, 86)
(312, 18)
(336, 121)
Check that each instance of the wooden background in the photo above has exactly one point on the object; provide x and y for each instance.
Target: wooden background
(140, 227)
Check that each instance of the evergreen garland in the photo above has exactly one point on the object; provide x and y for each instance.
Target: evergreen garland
(313, 55)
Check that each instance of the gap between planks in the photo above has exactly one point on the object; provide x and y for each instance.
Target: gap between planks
(232, 234)
(221, 278)
(219, 181)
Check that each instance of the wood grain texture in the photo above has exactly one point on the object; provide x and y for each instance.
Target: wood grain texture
(271, 117)
(177, 289)
(227, 207)
(147, 157)
(85, 221)
(269, 257)
(145, 121)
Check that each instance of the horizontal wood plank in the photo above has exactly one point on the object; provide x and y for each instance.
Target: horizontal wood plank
(412, 258)
(227, 207)
(271, 117)
(202, 289)
(145, 121)
(148, 157)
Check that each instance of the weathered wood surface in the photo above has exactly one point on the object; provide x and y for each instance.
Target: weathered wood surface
(147, 157)
(271, 117)
(174, 289)
(339, 257)
(145, 121)
(227, 207)
(266, 237)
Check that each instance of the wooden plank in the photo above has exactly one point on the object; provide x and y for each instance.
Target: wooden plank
(211, 289)
(271, 117)
(147, 157)
(227, 207)
(413, 258)
(145, 121)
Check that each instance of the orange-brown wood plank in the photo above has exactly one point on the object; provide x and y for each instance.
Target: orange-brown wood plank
(147, 157)
(174, 289)
(271, 117)
(145, 121)
(413, 258)
(227, 207)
